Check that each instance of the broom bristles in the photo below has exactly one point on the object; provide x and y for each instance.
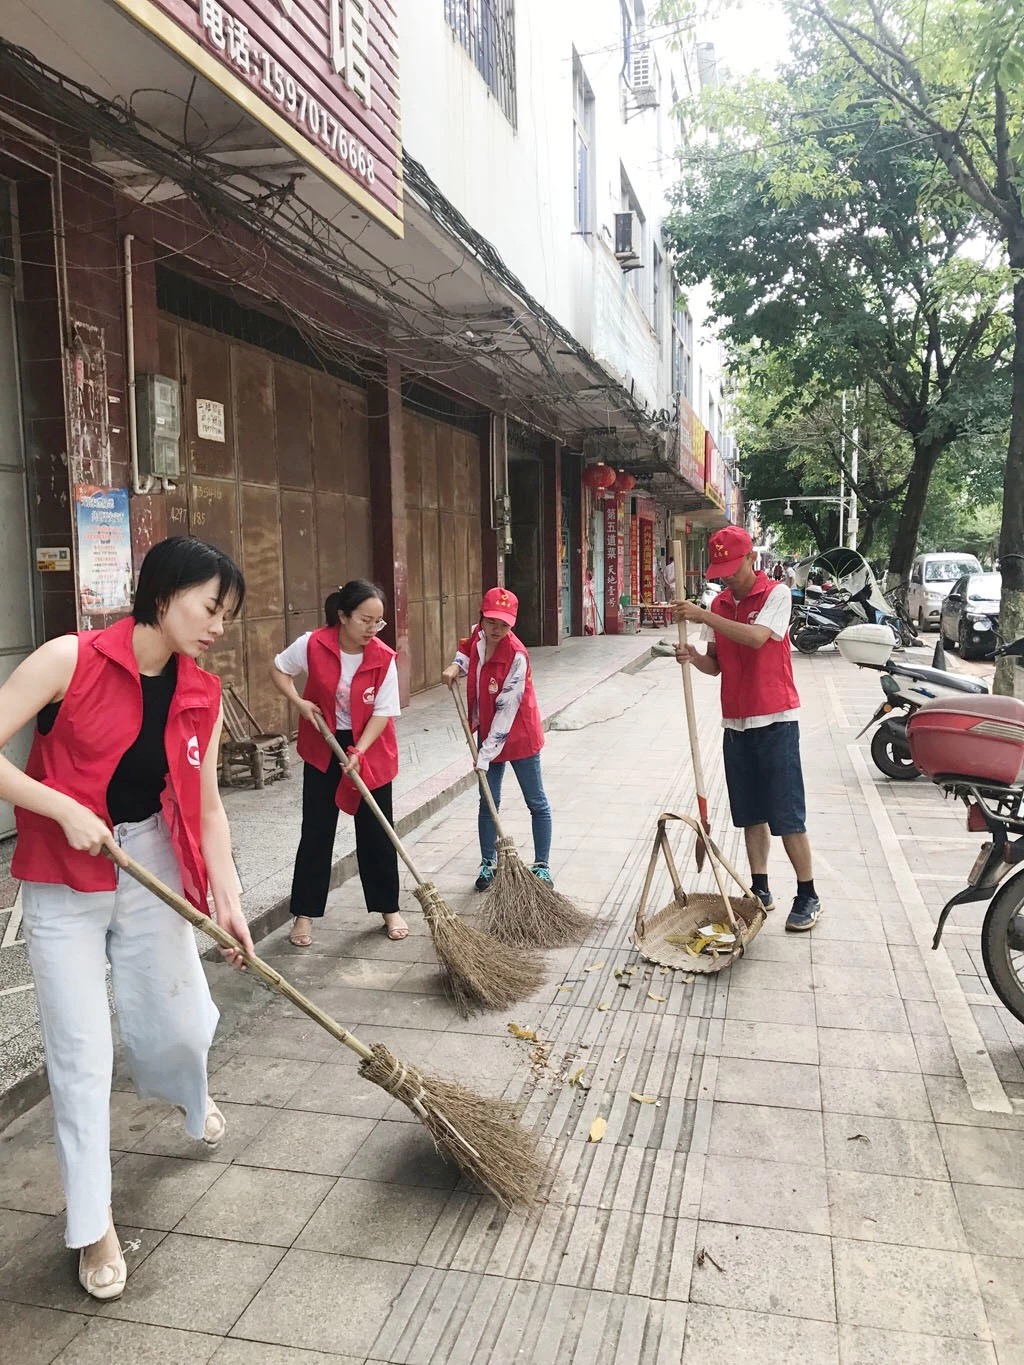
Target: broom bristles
(523, 911)
(480, 972)
(482, 1136)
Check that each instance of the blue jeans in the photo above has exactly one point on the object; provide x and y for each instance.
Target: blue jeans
(531, 784)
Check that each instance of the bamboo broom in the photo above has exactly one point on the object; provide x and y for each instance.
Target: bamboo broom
(521, 910)
(678, 549)
(482, 1136)
(479, 971)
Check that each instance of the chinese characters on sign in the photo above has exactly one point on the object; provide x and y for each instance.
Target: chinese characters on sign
(209, 420)
(647, 559)
(104, 549)
(349, 40)
(321, 75)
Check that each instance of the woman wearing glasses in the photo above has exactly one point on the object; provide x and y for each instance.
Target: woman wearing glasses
(352, 681)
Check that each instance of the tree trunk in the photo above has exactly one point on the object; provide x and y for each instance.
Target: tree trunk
(904, 546)
(1009, 674)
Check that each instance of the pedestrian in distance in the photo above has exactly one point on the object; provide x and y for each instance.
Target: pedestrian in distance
(352, 683)
(503, 711)
(747, 646)
(124, 761)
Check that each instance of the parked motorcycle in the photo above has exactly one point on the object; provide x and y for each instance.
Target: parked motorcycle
(855, 597)
(973, 748)
(906, 688)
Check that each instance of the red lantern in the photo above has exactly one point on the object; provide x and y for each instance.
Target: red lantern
(624, 483)
(598, 476)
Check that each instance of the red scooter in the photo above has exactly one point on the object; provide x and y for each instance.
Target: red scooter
(973, 748)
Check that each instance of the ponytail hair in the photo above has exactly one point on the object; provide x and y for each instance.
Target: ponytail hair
(349, 598)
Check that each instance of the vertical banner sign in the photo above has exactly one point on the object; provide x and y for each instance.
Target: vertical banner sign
(634, 561)
(104, 549)
(611, 568)
(320, 75)
(647, 559)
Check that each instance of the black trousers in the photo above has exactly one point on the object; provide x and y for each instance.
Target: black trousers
(375, 855)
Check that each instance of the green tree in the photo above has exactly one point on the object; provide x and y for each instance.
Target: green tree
(811, 216)
(950, 76)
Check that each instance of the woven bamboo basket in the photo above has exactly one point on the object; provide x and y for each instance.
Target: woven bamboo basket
(662, 938)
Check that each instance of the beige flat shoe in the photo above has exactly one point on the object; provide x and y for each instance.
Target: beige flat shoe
(104, 1281)
(216, 1124)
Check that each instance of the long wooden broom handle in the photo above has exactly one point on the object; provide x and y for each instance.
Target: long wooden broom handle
(691, 715)
(256, 965)
(364, 792)
(485, 786)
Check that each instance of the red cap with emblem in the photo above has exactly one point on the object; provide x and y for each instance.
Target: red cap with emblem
(727, 549)
(500, 604)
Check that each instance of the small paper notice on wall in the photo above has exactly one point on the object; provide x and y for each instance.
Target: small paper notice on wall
(53, 559)
(209, 420)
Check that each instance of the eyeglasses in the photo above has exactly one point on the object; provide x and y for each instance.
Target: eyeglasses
(375, 626)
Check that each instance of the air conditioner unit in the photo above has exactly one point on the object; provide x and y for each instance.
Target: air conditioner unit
(627, 241)
(646, 78)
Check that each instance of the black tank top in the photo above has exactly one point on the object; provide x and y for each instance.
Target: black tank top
(138, 782)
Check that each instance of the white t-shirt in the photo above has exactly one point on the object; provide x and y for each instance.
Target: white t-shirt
(775, 614)
(295, 660)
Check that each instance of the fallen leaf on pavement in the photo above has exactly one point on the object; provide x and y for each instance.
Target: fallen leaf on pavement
(858, 1137)
(597, 1129)
(652, 996)
(705, 1255)
(643, 1099)
(594, 967)
(528, 1035)
(604, 1005)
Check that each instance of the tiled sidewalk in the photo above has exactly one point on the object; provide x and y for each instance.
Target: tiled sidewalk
(433, 767)
(813, 1184)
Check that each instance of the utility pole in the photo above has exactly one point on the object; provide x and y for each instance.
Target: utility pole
(854, 522)
(842, 469)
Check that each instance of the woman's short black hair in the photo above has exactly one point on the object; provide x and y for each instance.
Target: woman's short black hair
(347, 599)
(178, 563)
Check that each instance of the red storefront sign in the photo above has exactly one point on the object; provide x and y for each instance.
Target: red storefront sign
(714, 471)
(634, 560)
(647, 559)
(320, 75)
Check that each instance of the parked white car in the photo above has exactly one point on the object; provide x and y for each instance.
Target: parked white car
(931, 578)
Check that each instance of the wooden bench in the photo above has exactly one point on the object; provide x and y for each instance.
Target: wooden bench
(249, 756)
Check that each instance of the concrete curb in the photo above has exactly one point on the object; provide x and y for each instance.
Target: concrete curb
(412, 809)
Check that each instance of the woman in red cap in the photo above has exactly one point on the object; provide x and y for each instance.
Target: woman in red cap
(504, 712)
(351, 680)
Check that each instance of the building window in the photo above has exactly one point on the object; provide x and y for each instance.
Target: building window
(656, 268)
(487, 30)
(630, 204)
(633, 24)
(583, 147)
(682, 353)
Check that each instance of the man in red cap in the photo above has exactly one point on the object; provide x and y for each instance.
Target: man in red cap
(748, 647)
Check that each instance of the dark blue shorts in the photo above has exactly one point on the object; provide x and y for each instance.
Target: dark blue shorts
(764, 777)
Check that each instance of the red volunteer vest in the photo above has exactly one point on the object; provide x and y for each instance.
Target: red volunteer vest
(98, 720)
(379, 764)
(755, 682)
(527, 734)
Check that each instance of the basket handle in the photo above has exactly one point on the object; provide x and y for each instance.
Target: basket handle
(660, 845)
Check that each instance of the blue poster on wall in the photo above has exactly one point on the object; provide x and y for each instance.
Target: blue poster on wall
(104, 549)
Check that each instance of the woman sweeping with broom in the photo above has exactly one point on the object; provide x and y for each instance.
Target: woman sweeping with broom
(352, 681)
(124, 762)
(503, 710)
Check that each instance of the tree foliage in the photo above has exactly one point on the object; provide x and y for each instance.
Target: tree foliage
(813, 218)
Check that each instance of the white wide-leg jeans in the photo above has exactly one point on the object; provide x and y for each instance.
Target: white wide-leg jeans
(164, 1012)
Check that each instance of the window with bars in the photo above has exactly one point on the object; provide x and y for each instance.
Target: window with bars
(487, 30)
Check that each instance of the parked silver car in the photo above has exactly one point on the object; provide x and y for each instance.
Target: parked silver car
(970, 615)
